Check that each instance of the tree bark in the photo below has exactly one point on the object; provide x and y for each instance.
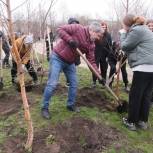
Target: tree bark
(18, 60)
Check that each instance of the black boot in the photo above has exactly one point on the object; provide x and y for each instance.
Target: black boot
(45, 113)
(72, 108)
(127, 89)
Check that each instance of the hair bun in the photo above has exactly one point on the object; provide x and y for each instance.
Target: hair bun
(139, 20)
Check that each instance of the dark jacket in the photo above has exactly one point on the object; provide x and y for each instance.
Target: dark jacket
(103, 46)
(81, 35)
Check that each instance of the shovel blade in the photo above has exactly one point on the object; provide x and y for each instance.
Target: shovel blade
(122, 107)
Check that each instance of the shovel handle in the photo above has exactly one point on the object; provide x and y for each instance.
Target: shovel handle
(97, 74)
(89, 64)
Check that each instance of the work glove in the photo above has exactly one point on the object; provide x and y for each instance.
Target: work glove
(73, 44)
(102, 81)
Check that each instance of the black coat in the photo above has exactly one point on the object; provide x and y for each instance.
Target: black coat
(103, 46)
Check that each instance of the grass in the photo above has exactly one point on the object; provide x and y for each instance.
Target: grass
(140, 140)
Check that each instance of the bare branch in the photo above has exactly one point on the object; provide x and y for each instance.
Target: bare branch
(51, 4)
(19, 6)
(3, 2)
(123, 4)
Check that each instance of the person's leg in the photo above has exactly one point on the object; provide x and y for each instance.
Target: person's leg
(51, 45)
(103, 68)
(145, 103)
(135, 96)
(14, 71)
(31, 71)
(124, 74)
(47, 50)
(94, 78)
(6, 50)
(56, 66)
(70, 73)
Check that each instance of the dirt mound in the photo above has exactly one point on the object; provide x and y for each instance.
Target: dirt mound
(9, 103)
(39, 89)
(94, 98)
(77, 135)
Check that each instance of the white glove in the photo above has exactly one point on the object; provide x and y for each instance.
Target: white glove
(122, 31)
(121, 53)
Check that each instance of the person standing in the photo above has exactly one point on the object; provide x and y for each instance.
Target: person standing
(49, 41)
(6, 49)
(116, 55)
(137, 42)
(102, 50)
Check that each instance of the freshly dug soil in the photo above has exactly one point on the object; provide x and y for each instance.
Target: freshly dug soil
(60, 90)
(9, 104)
(94, 98)
(77, 135)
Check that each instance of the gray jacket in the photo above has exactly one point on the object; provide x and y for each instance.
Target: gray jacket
(138, 45)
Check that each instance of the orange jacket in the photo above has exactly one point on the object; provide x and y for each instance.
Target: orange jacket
(23, 51)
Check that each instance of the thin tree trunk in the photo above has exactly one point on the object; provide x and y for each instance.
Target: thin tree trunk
(17, 58)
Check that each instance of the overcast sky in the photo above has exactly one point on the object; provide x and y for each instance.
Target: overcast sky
(92, 8)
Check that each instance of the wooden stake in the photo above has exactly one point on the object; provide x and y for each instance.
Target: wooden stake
(17, 58)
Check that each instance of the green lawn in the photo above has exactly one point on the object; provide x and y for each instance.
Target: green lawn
(140, 140)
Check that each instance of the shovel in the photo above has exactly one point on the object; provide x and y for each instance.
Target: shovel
(122, 106)
(1, 66)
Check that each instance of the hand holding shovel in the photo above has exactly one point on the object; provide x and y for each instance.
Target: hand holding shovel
(122, 106)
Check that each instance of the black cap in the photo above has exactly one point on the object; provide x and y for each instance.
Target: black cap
(73, 21)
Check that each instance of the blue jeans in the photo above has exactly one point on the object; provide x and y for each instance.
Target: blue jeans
(57, 65)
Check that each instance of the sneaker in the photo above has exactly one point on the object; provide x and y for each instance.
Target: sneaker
(130, 126)
(6, 65)
(93, 85)
(35, 82)
(73, 109)
(15, 81)
(142, 125)
(67, 85)
(45, 113)
(127, 89)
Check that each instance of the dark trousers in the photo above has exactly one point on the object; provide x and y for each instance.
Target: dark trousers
(6, 50)
(112, 63)
(29, 67)
(103, 68)
(47, 49)
(140, 96)
(124, 74)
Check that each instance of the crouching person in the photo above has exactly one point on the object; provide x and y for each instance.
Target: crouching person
(24, 46)
(63, 60)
